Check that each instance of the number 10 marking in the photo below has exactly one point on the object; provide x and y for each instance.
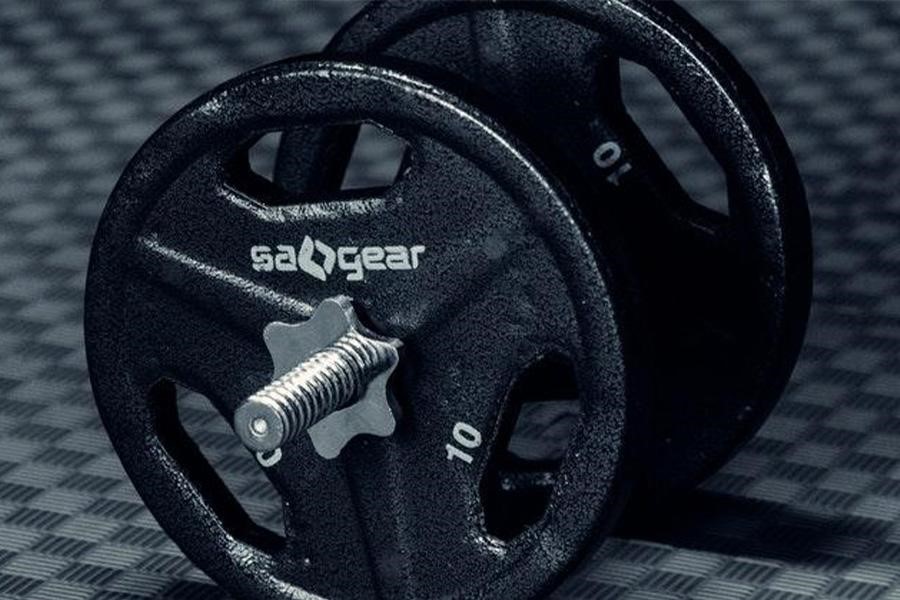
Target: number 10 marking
(609, 155)
(467, 437)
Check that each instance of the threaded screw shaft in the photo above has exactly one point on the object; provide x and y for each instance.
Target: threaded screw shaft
(324, 383)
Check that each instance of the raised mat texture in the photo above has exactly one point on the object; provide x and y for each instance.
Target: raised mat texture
(810, 509)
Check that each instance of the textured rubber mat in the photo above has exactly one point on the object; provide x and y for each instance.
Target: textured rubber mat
(810, 509)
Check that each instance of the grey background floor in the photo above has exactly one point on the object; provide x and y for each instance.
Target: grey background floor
(810, 509)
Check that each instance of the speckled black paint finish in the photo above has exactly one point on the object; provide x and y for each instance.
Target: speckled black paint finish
(171, 294)
(725, 302)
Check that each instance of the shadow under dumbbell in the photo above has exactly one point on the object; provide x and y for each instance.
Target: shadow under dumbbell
(711, 522)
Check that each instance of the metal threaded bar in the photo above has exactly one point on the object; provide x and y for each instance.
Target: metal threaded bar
(323, 383)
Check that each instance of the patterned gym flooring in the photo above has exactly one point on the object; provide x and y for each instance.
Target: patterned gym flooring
(810, 509)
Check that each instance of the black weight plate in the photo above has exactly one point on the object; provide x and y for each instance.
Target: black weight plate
(725, 299)
(505, 276)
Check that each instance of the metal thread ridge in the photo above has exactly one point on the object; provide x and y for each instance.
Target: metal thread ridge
(323, 383)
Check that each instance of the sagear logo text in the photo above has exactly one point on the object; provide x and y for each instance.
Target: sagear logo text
(318, 259)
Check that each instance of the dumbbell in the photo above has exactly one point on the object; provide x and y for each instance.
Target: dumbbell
(366, 344)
